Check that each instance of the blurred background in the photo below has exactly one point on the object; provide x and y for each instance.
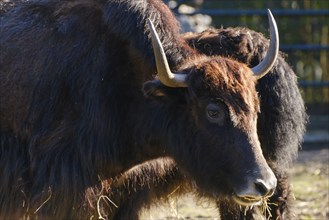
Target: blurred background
(304, 37)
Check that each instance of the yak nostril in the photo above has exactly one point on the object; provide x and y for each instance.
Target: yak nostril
(262, 188)
(270, 193)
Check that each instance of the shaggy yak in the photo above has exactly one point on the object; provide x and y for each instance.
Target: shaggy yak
(80, 104)
(281, 125)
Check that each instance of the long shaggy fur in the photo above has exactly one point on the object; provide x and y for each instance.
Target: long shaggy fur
(281, 125)
(80, 105)
(64, 67)
(282, 120)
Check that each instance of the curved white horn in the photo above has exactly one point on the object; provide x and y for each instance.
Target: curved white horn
(267, 63)
(165, 75)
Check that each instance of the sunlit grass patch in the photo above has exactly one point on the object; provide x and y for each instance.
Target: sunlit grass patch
(311, 188)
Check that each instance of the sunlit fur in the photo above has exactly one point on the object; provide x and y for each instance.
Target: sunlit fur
(233, 84)
(282, 108)
(281, 125)
(80, 105)
(71, 72)
(282, 118)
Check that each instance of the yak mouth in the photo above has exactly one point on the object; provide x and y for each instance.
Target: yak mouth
(247, 201)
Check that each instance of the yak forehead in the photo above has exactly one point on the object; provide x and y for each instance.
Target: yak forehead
(229, 81)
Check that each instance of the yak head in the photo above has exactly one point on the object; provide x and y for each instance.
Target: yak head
(215, 137)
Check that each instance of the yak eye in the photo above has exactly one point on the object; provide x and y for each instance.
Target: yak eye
(215, 113)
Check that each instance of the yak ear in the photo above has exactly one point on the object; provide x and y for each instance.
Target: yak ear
(155, 89)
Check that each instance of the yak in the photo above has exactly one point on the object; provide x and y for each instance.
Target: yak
(89, 89)
(280, 126)
(282, 119)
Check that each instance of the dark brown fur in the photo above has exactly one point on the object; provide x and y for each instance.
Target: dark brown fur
(281, 126)
(282, 119)
(80, 105)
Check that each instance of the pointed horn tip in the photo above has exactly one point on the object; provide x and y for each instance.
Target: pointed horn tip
(149, 22)
(264, 67)
(273, 27)
(270, 15)
(151, 25)
(152, 28)
(164, 73)
(271, 20)
(269, 12)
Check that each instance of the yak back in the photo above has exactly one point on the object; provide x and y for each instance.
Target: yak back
(70, 71)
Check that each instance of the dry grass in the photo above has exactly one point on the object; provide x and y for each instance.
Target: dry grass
(311, 185)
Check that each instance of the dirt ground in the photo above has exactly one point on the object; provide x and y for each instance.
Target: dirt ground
(310, 182)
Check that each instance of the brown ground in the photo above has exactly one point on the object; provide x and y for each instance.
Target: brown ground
(310, 181)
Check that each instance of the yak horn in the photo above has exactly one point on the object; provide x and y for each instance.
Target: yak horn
(267, 63)
(165, 75)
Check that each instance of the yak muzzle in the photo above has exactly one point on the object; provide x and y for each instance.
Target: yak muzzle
(257, 189)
